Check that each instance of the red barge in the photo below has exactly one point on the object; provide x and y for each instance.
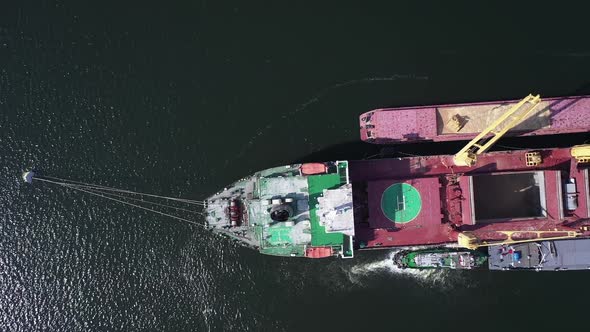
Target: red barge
(452, 122)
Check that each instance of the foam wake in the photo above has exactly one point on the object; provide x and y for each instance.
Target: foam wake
(362, 273)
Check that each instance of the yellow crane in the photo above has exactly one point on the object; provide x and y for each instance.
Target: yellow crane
(581, 153)
(482, 142)
(470, 241)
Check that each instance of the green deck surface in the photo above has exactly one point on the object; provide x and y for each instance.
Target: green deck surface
(278, 239)
(279, 235)
(278, 242)
(401, 202)
(317, 184)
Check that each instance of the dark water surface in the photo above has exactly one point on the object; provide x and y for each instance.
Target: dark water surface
(183, 98)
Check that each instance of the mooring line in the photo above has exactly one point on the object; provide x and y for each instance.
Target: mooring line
(103, 191)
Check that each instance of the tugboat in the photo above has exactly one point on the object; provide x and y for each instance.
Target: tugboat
(440, 258)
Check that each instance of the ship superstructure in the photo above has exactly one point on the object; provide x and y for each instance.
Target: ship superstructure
(301, 210)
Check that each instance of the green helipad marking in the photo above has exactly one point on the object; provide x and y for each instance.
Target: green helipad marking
(401, 202)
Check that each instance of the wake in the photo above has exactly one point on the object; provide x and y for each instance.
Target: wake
(362, 273)
(317, 97)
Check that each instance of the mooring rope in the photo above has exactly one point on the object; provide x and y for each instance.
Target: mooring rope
(89, 185)
(135, 199)
(98, 190)
(142, 207)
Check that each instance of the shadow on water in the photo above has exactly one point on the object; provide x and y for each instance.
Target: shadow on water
(359, 150)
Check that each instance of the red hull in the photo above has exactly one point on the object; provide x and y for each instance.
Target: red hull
(451, 197)
(414, 124)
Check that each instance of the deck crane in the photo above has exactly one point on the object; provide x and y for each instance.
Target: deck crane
(470, 241)
(482, 142)
(581, 153)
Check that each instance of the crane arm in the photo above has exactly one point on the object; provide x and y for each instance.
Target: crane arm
(470, 241)
(482, 142)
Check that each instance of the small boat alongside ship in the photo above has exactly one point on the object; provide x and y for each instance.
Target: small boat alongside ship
(440, 258)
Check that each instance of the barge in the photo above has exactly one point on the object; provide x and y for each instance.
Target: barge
(452, 122)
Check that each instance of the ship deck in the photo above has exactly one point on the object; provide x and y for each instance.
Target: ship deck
(501, 193)
(285, 212)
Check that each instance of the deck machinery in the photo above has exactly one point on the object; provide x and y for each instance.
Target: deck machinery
(295, 210)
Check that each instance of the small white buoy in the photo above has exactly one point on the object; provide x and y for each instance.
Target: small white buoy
(28, 176)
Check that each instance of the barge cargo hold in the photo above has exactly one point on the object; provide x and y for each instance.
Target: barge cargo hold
(334, 208)
(454, 122)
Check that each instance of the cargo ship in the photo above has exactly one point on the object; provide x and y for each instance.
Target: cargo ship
(336, 208)
(438, 123)
(474, 200)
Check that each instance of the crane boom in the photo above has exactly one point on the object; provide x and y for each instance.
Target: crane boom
(470, 241)
(482, 142)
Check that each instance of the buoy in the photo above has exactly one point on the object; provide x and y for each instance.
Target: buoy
(28, 176)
